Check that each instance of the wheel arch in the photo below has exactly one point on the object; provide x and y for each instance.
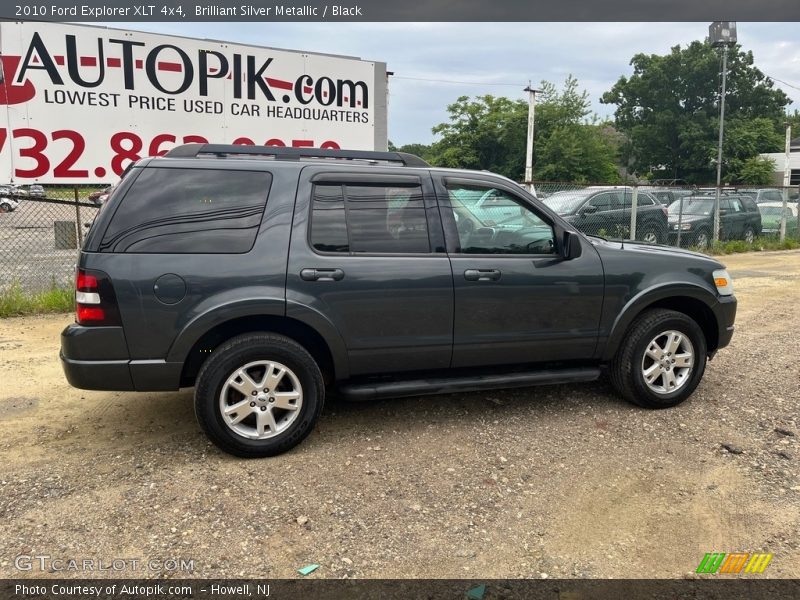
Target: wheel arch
(315, 343)
(691, 300)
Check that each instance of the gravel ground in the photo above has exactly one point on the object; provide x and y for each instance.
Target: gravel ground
(560, 481)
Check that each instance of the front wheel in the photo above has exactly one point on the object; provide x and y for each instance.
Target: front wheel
(661, 360)
(702, 239)
(5, 207)
(749, 235)
(258, 395)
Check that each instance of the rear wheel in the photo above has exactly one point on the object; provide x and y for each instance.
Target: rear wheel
(749, 235)
(650, 235)
(661, 361)
(259, 395)
(5, 207)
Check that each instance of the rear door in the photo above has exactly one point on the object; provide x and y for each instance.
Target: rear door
(367, 257)
(651, 221)
(737, 218)
(516, 300)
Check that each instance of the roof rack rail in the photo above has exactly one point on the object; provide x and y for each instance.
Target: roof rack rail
(281, 153)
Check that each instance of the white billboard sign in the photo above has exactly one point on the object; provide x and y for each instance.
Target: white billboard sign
(78, 103)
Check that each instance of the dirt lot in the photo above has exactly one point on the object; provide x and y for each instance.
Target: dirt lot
(564, 481)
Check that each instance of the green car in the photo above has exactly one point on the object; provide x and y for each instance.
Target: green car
(771, 217)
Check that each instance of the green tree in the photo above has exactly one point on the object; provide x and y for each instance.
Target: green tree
(669, 111)
(756, 171)
(489, 132)
(485, 133)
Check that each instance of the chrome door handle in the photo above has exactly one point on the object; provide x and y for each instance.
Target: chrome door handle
(482, 274)
(321, 274)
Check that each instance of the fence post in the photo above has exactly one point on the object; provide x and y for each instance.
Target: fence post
(634, 202)
(680, 220)
(78, 219)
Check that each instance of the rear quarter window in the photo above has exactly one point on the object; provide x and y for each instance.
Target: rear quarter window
(749, 204)
(181, 211)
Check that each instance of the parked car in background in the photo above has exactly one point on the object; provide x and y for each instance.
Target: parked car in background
(771, 217)
(100, 196)
(36, 191)
(606, 212)
(694, 217)
(18, 190)
(491, 207)
(668, 196)
(7, 204)
(760, 196)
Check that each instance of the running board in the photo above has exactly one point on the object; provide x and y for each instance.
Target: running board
(374, 390)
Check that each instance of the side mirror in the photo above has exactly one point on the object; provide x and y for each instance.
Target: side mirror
(572, 245)
(723, 211)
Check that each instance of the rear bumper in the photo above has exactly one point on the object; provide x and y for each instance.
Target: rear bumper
(96, 358)
(112, 375)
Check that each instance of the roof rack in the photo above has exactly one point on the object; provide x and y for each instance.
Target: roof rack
(280, 153)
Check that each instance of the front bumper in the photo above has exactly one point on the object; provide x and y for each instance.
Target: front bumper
(725, 313)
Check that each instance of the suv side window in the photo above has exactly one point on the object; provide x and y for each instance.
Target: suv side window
(605, 201)
(365, 218)
(749, 204)
(642, 199)
(179, 211)
(520, 231)
(736, 205)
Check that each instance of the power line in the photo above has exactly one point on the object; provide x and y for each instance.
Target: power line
(457, 82)
(783, 82)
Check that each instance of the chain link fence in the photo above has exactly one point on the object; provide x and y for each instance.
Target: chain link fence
(685, 216)
(41, 228)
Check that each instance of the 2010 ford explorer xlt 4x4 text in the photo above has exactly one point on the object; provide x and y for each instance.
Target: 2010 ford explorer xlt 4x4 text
(264, 276)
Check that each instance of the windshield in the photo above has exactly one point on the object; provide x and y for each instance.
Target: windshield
(564, 203)
(692, 206)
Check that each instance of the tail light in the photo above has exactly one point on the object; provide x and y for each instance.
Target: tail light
(95, 301)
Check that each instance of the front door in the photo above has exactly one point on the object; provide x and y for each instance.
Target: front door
(516, 299)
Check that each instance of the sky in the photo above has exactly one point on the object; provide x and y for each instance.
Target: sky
(495, 58)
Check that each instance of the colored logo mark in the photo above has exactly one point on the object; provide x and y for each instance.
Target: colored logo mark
(736, 562)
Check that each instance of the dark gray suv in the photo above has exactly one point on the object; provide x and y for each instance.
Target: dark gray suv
(265, 276)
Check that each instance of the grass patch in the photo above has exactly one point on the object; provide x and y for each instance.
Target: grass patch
(15, 301)
(760, 244)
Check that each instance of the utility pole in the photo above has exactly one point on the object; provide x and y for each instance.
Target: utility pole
(529, 143)
(786, 179)
(721, 33)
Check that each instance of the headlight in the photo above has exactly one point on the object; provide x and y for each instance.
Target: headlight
(723, 282)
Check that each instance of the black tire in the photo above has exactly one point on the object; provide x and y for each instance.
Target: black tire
(626, 368)
(749, 235)
(235, 354)
(5, 207)
(702, 234)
